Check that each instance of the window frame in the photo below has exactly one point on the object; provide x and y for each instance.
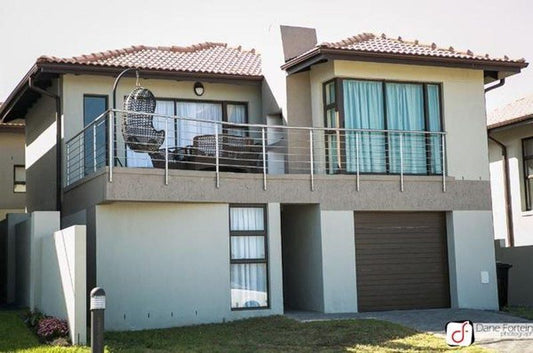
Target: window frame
(339, 101)
(106, 98)
(15, 182)
(527, 189)
(265, 261)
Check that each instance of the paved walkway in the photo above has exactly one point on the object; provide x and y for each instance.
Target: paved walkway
(433, 321)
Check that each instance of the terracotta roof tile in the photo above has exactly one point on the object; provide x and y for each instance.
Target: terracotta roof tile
(215, 58)
(369, 42)
(517, 111)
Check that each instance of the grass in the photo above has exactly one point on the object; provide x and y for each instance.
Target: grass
(273, 334)
(525, 312)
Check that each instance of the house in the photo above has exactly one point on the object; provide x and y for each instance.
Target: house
(511, 171)
(359, 183)
(12, 171)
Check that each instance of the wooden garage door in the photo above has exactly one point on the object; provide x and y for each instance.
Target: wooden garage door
(401, 260)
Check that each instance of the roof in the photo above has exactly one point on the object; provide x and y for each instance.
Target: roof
(369, 44)
(512, 113)
(215, 58)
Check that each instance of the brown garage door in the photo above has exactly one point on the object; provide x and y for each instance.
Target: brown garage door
(401, 260)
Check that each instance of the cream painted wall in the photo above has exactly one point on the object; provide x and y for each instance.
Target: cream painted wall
(164, 265)
(522, 219)
(12, 147)
(74, 87)
(464, 106)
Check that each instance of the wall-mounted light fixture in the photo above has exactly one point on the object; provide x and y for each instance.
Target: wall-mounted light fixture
(199, 89)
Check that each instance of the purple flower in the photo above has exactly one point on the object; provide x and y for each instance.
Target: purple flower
(50, 328)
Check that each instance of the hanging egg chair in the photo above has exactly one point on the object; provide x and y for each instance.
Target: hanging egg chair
(138, 129)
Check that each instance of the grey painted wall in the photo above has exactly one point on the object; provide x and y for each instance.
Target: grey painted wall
(166, 265)
(11, 221)
(471, 252)
(520, 275)
(302, 257)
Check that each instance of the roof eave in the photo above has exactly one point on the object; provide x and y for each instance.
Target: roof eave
(304, 61)
(15, 95)
(510, 123)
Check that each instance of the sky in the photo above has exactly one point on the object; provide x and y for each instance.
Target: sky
(67, 28)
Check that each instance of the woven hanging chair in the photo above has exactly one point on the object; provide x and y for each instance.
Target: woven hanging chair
(138, 129)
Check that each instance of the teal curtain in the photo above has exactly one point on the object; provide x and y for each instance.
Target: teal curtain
(363, 109)
(405, 111)
(434, 119)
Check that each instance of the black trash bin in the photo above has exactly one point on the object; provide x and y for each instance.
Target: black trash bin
(502, 272)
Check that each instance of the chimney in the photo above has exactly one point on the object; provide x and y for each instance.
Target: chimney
(297, 40)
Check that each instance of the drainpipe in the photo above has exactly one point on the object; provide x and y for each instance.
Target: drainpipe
(507, 192)
(499, 84)
(59, 161)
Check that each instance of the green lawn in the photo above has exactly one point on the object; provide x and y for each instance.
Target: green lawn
(521, 311)
(274, 334)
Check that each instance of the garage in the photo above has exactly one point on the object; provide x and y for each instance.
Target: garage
(401, 260)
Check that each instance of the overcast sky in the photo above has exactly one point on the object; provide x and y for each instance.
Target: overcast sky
(67, 28)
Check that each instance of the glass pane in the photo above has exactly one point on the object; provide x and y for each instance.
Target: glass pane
(187, 130)
(247, 247)
(528, 147)
(529, 168)
(248, 285)
(246, 218)
(405, 111)
(236, 113)
(20, 174)
(94, 153)
(330, 93)
(363, 109)
(435, 141)
(19, 188)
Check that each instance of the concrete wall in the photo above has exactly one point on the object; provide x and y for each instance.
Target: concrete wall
(522, 219)
(63, 279)
(338, 260)
(28, 252)
(302, 257)
(165, 265)
(470, 253)
(12, 147)
(10, 237)
(41, 134)
(520, 290)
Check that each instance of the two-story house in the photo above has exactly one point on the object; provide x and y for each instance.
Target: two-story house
(366, 189)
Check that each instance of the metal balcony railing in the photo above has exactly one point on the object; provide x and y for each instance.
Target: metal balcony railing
(195, 144)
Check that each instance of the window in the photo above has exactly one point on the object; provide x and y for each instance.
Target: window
(332, 121)
(181, 133)
(94, 137)
(19, 178)
(384, 106)
(527, 152)
(248, 258)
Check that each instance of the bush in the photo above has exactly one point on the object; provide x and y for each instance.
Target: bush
(32, 318)
(51, 328)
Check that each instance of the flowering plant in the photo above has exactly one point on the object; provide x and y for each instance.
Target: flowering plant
(50, 328)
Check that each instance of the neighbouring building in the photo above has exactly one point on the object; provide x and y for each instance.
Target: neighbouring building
(12, 170)
(510, 133)
(353, 178)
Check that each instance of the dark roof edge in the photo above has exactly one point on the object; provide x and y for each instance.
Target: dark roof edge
(510, 122)
(411, 59)
(64, 68)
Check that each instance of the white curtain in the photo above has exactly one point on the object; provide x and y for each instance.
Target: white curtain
(236, 114)
(248, 280)
(248, 285)
(136, 159)
(187, 130)
(247, 218)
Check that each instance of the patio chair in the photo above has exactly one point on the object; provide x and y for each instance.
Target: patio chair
(138, 129)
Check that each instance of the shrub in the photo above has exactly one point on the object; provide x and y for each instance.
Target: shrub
(50, 328)
(32, 318)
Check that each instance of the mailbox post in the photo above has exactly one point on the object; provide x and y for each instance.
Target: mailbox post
(97, 320)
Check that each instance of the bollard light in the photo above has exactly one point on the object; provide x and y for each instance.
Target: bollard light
(97, 306)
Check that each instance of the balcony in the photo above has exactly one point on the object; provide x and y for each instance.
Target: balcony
(169, 143)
